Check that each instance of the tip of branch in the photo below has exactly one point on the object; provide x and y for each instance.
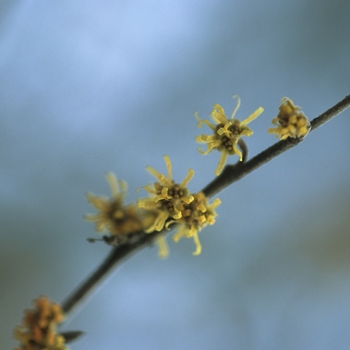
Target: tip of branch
(93, 240)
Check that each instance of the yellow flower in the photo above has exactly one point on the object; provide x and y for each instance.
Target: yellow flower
(166, 196)
(166, 200)
(113, 216)
(195, 216)
(38, 330)
(226, 132)
(290, 121)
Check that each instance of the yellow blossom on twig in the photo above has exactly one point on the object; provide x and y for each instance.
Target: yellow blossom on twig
(38, 330)
(290, 121)
(166, 196)
(226, 132)
(195, 216)
(166, 199)
(113, 215)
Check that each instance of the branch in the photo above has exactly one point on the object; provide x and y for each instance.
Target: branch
(116, 257)
(230, 174)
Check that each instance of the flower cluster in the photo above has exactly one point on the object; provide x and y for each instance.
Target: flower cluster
(290, 121)
(195, 216)
(113, 216)
(38, 330)
(174, 203)
(226, 133)
(171, 202)
(166, 196)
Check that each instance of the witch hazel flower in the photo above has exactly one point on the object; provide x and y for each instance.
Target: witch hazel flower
(195, 216)
(226, 133)
(290, 121)
(166, 196)
(166, 200)
(38, 330)
(113, 216)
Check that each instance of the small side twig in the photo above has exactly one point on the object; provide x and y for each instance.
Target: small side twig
(230, 174)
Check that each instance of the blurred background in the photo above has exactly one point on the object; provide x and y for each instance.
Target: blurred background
(89, 86)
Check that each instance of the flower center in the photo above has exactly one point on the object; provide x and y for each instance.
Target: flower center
(115, 213)
(176, 192)
(226, 143)
(235, 128)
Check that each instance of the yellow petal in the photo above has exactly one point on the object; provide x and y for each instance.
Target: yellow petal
(187, 179)
(113, 183)
(214, 144)
(238, 152)
(216, 203)
(204, 152)
(168, 166)
(202, 208)
(218, 114)
(160, 177)
(203, 121)
(91, 217)
(222, 163)
(180, 233)
(207, 138)
(253, 116)
(237, 105)
(225, 130)
(177, 216)
(187, 199)
(197, 242)
(163, 247)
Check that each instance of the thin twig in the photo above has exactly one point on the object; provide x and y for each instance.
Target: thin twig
(116, 256)
(230, 174)
(330, 113)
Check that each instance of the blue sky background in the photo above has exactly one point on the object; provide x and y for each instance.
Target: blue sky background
(88, 87)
